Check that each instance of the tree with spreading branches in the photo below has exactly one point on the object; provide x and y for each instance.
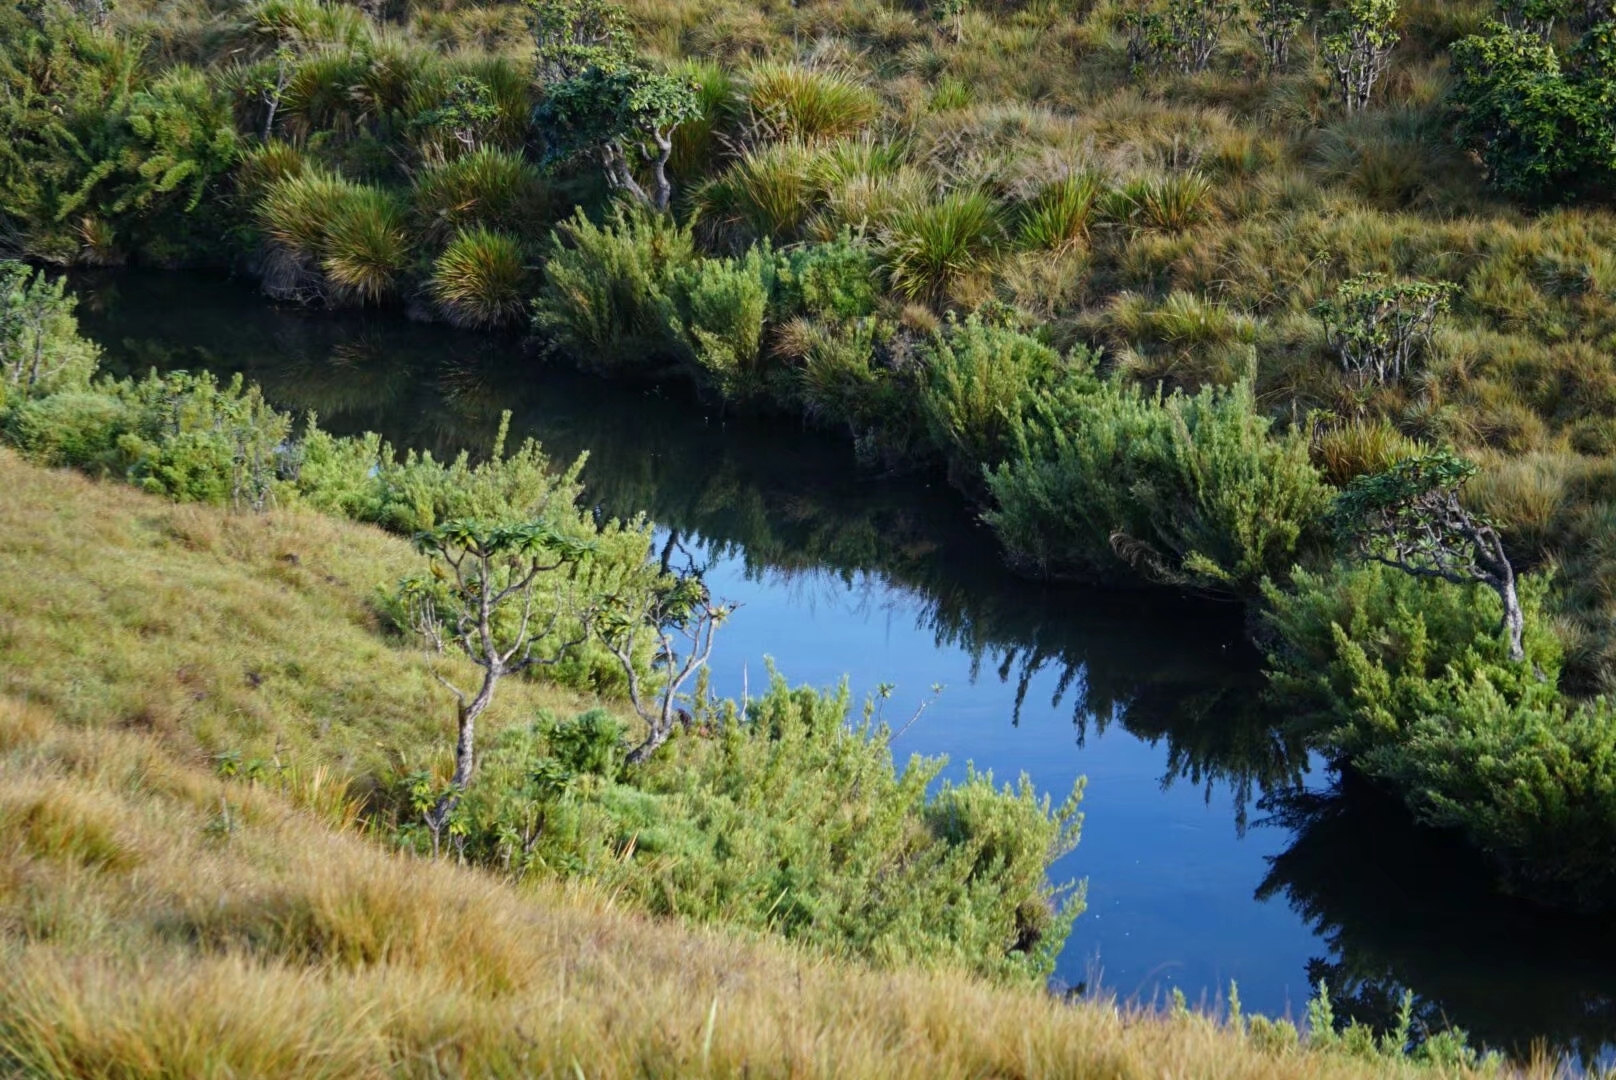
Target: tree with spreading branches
(676, 618)
(481, 600)
(1410, 517)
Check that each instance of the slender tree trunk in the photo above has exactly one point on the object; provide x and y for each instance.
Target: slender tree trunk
(1514, 619)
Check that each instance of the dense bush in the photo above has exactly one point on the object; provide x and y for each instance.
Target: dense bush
(604, 299)
(787, 819)
(1543, 130)
(1408, 680)
(1188, 489)
(980, 382)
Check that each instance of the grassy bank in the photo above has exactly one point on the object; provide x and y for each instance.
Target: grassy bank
(161, 920)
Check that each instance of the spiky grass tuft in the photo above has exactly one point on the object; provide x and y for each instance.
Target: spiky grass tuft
(930, 247)
(477, 281)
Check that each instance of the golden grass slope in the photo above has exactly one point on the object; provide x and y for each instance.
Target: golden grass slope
(158, 921)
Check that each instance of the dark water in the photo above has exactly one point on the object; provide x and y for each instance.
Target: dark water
(1212, 852)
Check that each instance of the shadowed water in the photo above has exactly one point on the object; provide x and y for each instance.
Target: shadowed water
(1210, 850)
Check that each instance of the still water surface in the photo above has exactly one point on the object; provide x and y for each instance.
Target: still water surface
(1212, 850)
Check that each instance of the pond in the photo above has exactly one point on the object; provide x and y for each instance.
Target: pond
(1213, 851)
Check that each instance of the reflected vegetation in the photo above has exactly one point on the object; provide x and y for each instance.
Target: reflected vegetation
(1393, 907)
(1402, 908)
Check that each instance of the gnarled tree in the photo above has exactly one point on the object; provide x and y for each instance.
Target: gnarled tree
(480, 600)
(676, 618)
(1410, 517)
(603, 100)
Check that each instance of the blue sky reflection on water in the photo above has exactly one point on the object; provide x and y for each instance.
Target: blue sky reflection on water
(1170, 877)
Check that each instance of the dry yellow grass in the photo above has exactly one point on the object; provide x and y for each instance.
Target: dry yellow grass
(158, 921)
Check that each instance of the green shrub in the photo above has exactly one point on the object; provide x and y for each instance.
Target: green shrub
(980, 380)
(1408, 680)
(478, 280)
(604, 298)
(1185, 489)
(718, 307)
(41, 351)
(1529, 779)
(836, 280)
(791, 820)
(1359, 651)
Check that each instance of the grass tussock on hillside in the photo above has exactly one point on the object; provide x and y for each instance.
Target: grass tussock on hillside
(160, 921)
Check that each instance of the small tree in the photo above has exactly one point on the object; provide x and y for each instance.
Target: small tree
(677, 619)
(1182, 37)
(1359, 47)
(479, 600)
(622, 111)
(1378, 326)
(1277, 22)
(1409, 517)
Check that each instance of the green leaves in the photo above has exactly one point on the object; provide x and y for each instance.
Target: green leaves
(1378, 326)
(1543, 132)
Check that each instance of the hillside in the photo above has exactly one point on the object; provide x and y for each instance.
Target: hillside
(160, 920)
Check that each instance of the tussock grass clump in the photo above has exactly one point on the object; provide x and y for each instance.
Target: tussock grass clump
(790, 101)
(366, 248)
(931, 247)
(477, 281)
(333, 240)
(1172, 203)
(1058, 218)
(487, 188)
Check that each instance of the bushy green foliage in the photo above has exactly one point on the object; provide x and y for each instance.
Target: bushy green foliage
(1408, 680)
(1358, 48)
(1182, 36)
(88, 149)
(980, 382)
(1359, 651)
(1543, 131)
(604, 296)
(719, 307)
(792, 820)
(1189, 489)
(838, 279)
